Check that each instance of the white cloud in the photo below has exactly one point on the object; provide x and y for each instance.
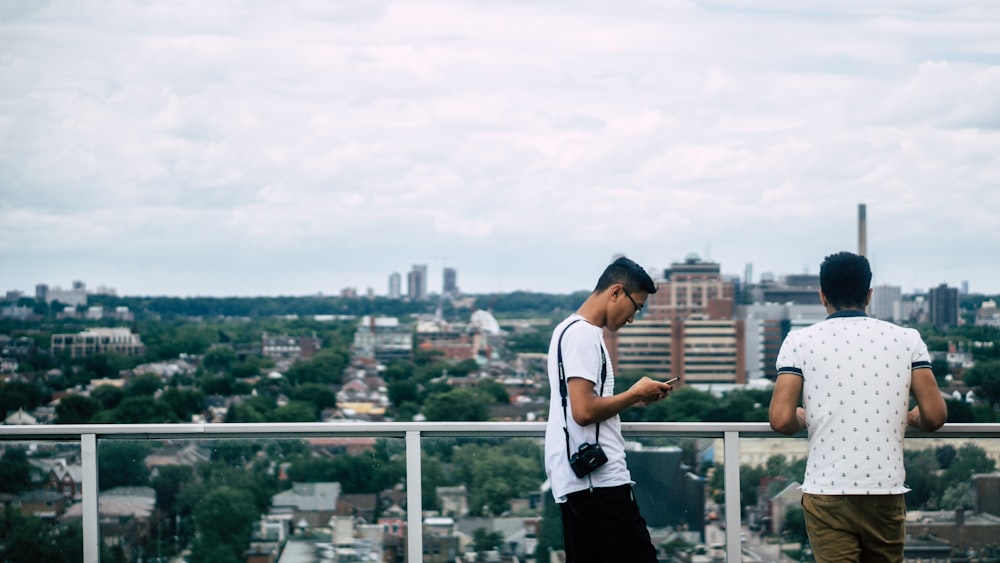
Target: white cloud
(368, 136)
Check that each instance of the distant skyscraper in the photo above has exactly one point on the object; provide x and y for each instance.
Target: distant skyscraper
(862, 229)
(42, 292)
(395, 285)
(943, 301)
(885, 302)
(450, 287)
(416, 282)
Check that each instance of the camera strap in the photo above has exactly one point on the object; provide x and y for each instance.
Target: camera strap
(563, 389)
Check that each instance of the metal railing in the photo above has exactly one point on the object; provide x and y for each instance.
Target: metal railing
(412, 433)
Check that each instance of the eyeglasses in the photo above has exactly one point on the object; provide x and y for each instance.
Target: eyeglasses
(638, 307)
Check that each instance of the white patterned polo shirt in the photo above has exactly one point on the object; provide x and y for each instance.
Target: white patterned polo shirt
(856, 390)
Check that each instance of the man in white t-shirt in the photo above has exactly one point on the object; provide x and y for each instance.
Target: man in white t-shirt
(854, 376)
(601, 520)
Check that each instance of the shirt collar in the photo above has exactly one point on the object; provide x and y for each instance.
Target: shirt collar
(845, 313)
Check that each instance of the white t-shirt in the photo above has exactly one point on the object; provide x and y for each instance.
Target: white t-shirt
(856, 375)
(581, 353)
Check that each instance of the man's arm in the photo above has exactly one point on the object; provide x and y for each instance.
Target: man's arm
(588, 408)
(784, 413)
(931, 411)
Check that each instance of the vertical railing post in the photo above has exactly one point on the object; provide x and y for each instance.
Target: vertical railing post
(731, 446)
(414, 499)
(91, 514)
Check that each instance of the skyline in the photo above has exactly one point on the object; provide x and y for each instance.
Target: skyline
(249, 148)
(432, 292)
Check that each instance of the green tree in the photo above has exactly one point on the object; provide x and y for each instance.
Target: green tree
(15, 471)
(795, 523)
(327, 366)
(183, 403)
(970, 459)
(219, 359)
(403, 390)
(496, 474)
(18, 394)
(108, 395)
(168, 483)
(294, 411)
(320, 395)
(146, 384)
(485, 540)
(122, 464)
(957, 495)
(142, 409)
(224, 518)
(461, 405)
(984, 378)
(493, 388)
(531, 341)
(921, 467)
(76, 409)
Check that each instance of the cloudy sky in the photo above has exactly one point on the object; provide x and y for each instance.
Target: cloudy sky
(288, 148)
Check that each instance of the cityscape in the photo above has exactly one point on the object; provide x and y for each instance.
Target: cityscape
(278, 281)
(414, 355)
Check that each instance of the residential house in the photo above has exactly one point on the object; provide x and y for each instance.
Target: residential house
(311, 504)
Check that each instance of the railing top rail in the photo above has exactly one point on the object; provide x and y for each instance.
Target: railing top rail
(73, 432)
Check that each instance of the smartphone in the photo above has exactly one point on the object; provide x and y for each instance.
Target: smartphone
(672, 379)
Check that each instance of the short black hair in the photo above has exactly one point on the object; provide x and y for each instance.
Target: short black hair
(845, 279)
(629, 274)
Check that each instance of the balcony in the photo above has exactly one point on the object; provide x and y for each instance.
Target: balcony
(412, 435)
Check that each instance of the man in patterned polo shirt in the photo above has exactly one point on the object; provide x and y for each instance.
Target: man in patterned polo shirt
(854, 376)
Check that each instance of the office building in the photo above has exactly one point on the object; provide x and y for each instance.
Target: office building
(711, 351)
(943, 306)
(797, 289)
(645, 345)
(691, 287)
(98, 341)
(416, 282)
(450, 286)
(395, 285)
(686, 329)
(765, 327)
(885, 304)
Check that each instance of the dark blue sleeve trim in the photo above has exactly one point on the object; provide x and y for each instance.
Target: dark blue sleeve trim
(916, 365)
(791, 370)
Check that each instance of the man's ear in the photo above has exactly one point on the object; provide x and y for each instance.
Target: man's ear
(868, 298)
(822, 299)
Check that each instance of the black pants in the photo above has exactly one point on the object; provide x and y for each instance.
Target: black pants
(604, 525)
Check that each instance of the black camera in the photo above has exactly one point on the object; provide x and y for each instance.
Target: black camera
(588, 458)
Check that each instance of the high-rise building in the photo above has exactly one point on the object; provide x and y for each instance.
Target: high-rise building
(692, 287)
(765, 327)
(416, 282)
(395, 285)
(645, 345)
(885, 303)
(943, 305)
(450, 286)
(687, 328)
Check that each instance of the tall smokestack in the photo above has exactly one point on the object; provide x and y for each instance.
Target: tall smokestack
(862, 230)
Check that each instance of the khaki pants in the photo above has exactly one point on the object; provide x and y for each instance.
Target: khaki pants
(852, 528)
